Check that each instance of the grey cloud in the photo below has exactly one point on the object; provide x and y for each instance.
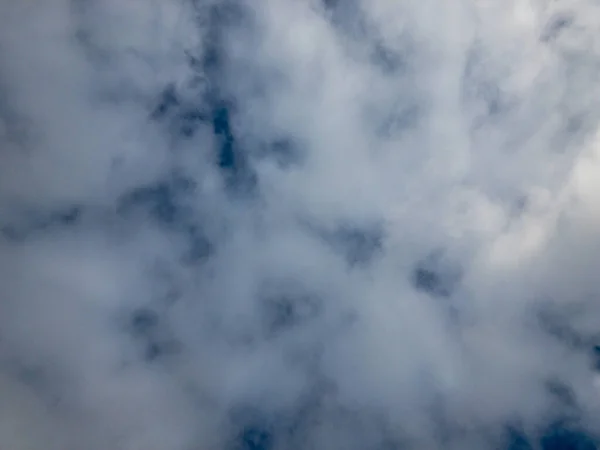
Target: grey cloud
(299, 224)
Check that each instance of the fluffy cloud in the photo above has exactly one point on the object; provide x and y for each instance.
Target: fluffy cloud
(299, 224)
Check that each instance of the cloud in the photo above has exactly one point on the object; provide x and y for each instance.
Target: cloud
(298, 224)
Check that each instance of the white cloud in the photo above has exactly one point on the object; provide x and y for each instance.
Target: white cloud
(346, 224)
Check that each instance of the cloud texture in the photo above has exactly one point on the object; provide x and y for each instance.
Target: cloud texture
(299, 224)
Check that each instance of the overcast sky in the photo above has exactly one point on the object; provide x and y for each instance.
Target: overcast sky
(299, 224)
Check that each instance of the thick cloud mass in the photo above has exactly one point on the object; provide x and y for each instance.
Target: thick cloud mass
(299, 224)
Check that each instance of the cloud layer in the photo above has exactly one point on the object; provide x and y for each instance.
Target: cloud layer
(299, 224)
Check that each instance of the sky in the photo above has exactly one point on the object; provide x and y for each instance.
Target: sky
(299, 224)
